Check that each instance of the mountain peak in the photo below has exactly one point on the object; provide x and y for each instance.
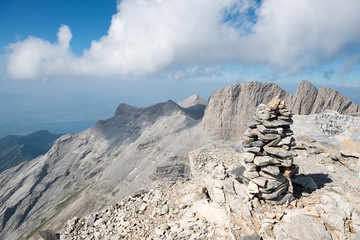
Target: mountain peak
(309, 100)
(191, 101)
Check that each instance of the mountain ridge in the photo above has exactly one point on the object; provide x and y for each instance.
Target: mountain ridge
(83, 172)
(92, 166)
(15, 149)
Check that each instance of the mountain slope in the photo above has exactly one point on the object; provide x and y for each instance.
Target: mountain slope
(17, 149)
(101, 165)
(84, 172)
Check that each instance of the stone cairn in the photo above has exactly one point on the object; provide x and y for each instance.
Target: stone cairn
(268, 158)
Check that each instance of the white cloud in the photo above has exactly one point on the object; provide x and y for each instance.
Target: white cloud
(35, 57)
(64, 36)
(190, 72)
(147, 36)
(196, 71)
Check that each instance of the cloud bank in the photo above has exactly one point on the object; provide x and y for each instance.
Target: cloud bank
(148, 36)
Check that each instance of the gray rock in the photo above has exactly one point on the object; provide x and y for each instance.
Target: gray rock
(275, 194)
(267, 176)
(278, 152)
(269, 137)
(250, 167)
(260, 181)
(252, 124)
(273, 170)
(258, 143)
(265, 130)
(269, 184)
(173, 171)
(253, 149)
(276, 123)
(252, 237)
(250, 133)
(313, 150)
(238, 174)
(301, 227)
(265, 161)
(350, 162)
(273, 143)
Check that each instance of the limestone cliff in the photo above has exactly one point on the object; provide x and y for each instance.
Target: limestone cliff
(304, 98)
(308, 100)
(230, 108)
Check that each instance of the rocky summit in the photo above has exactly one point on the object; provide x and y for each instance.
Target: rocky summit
(177, 171)
(213, 204)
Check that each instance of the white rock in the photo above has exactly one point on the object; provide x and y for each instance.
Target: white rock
(301, 227)
(248, 157)
(219, 196)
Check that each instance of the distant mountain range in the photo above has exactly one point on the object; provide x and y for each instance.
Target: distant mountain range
(16, 149)
(86, 171)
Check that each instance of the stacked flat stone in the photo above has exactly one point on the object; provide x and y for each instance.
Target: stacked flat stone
(268, 160)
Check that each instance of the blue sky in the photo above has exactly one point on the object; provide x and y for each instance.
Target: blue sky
(77, 60)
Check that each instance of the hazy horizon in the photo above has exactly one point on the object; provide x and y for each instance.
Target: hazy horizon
(64, 63)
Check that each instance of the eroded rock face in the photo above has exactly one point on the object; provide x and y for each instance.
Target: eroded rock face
(230, 108)
(309, 100)
(304, 98)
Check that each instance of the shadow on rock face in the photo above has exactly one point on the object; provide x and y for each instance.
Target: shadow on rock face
(309, 183)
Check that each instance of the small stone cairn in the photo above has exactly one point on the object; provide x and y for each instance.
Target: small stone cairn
(268, 158)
